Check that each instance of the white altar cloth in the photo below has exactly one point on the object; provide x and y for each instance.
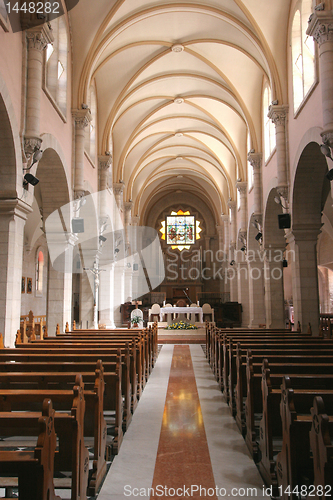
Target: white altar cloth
(181, 310)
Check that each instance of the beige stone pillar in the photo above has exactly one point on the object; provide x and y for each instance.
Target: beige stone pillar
(226, 227)
(278, 115)
(119, 291)
(13, 214)
(106, 296)
(232, 270)
(302, 254)
(243, 287)
(257, 314)
(118, 190)
(255, 160)
(242, 189)
(82, 118)
(274, 292)
(59, 283)
(320, 28)
(37, 40)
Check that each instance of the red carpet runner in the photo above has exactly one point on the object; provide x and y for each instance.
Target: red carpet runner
(183, 468)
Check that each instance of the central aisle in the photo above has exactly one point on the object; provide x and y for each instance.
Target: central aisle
(182, 436)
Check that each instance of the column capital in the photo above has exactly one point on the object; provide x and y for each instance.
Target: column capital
(82, 118)
(304, 234)
(278, 113)
(242, 188)
(255, 159)
(232, 204)
(31, 144)
(283, 192)
(39, 37)
(225, 218)
(128, 205)
(320, 25)
(15, 207)
(327, 136)
(118, 188)
(104, 162)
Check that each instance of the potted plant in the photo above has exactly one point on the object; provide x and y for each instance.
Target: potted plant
(135, 320)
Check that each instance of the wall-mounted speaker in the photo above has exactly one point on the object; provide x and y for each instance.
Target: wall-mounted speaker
(135, 267)
(284, 221)
(78, 225)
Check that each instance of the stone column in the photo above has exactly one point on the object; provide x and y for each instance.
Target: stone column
(257, 315)
(13, 214)
(255, 159)
(226, 226)
(82, 118)
(242, 189)
(106, 297)
(118, 190)
(119, 291)
(278, 114)
(232, 272)
(219, 260)
(37, 40)
(59, 283)
(321, 29)
(303, 257)
(274, 292)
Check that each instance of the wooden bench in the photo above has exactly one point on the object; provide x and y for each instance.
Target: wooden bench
(131, 362)
(72, 455)
(33, 468)
(113, 356)
(294, 464)
(270, 425)
(301, 353)
(321, 444)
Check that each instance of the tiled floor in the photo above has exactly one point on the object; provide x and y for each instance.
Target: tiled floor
(182, 436)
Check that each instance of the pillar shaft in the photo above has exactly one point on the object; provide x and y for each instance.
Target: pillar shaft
(242, 189)
(320, 28)
(256, 159)
(303, 257)
(13, 214)
(37, 40)
(257, 314)
(274, 292)
(82, 118)
(278, 115)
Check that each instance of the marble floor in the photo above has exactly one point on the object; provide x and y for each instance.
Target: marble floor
(182, 441)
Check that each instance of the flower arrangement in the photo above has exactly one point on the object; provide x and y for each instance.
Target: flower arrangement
(135, 320)
(181, 325)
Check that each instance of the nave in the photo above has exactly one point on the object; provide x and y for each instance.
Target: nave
(182, 435)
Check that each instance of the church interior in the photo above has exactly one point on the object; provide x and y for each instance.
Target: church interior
(167, 166)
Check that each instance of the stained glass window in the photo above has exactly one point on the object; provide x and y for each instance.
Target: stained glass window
(180, 230)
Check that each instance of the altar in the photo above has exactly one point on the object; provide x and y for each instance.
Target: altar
(182, 312)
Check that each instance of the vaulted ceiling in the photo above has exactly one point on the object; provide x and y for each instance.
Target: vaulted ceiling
(179, 87)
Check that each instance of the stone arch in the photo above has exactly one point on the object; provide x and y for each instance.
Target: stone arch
(53, 192)
(309, 194)
(10, 149)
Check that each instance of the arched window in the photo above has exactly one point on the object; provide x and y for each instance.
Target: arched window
(39, 271)
(56, 64)
(303, 54)
(269, 127)
(90, 145)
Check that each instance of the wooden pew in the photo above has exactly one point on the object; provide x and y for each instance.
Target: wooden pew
(294, 461)
(17, 355)
(112, 396)
(279, 353)
(69, 425)
(33, 468)
(321, 444)
(270, 426)
(131, 362)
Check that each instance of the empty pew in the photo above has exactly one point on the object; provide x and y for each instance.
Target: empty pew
(72, 456)
(294, 463)
(321, 444)
(33, 468)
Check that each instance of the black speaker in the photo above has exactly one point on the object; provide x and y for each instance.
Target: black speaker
(78, 225)
(284, 221)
